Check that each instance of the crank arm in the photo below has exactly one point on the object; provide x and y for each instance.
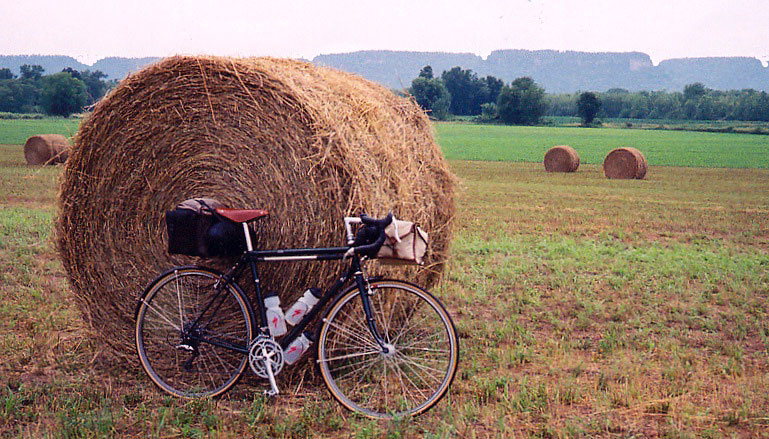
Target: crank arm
(270, 375)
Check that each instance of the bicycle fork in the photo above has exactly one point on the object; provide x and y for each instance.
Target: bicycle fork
(365, 292)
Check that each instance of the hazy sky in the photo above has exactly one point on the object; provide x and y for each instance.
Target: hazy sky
(89, 30)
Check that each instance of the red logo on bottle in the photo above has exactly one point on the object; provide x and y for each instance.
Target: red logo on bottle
(275, 322)
(297, 312)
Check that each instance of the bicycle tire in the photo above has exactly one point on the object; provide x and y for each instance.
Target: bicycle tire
(191, 367)
(423, 357)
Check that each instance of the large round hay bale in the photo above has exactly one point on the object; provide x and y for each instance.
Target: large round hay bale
(310, 145)
(625, 163)
(46, 149)
(562, 158)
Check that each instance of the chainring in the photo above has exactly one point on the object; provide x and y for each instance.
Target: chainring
(264, 348)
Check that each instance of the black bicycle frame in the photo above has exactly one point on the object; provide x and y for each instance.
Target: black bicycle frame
(250, 258)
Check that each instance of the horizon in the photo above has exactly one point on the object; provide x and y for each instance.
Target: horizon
(90, 62)
(90, 30)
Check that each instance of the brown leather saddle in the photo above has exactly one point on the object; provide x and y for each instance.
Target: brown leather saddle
(241, 215)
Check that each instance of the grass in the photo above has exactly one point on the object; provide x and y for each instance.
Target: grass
(466, 141)
(660, 147)
(587, 307)
(633, 308)
(17, 131)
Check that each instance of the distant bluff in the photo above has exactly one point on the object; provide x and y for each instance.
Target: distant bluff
(560, 72)
(556, 71)
(113, 67)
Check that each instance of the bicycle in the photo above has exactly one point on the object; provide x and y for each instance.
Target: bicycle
(384, 348)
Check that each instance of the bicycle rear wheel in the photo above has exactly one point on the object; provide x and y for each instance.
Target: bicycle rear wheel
(422, 343)
(188, 359)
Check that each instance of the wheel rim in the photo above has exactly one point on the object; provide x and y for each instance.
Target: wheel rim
(419, 366)
(178, 359)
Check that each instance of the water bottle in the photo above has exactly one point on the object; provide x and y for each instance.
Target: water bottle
(276, 321)
(298, 347)
(302, 306)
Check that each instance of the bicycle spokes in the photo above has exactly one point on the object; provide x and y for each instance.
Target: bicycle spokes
(416, 365)
(181, 356)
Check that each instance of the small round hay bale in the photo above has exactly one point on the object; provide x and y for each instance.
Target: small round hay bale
(625, 163)
(308, 144)
(562, 158)
(46, 149)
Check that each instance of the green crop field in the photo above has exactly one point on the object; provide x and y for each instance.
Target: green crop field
(464, 141)
(16, 131)
(586, 307)
(660, 147)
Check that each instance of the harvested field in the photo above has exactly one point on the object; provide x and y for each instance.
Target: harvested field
(581, 314)
(578, 312)
(311, 145)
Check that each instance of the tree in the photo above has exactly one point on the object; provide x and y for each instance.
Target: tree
(640, 105)
(587, 107)
(62, 94)
(694, 91)
(488, 111)
(426, 72)
(75, 74)
(467, 91)
(614, 102)
(494, 85)
(432, 96)
(521, 103)
(17, 96)
(665, 105)
(94, 84)
(6, 73)
(31, 72)
(562, 104)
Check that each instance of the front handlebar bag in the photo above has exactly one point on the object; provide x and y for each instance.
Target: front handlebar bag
(409, 249)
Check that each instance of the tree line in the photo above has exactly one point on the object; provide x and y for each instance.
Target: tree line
(696, 102)
(461, 92)
(457, 92)
(58, 94)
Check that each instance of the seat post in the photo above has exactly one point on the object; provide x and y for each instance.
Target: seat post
(249, 245)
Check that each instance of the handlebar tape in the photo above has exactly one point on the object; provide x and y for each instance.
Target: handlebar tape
(379, 225)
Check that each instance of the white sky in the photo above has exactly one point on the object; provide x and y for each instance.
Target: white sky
(90, 30)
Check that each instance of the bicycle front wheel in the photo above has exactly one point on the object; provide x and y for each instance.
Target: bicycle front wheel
(421, 358)
(192, 338)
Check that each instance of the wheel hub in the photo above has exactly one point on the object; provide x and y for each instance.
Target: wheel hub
(189, 339)
(390, 351)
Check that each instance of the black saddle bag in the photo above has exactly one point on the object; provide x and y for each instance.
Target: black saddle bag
(195, 229)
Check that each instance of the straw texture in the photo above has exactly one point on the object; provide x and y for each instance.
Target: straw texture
(310, 145)
(562, 158)
(625, 163)
(46, 149)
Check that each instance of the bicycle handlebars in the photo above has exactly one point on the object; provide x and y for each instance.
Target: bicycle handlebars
(373, 227)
